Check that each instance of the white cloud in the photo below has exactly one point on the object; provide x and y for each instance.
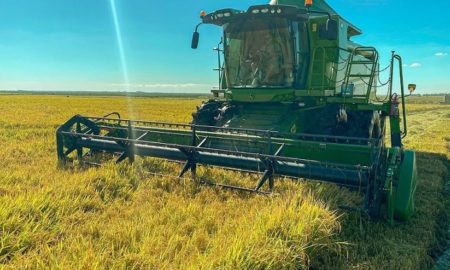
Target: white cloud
(162, 85)
(416, 65)
(441, 54)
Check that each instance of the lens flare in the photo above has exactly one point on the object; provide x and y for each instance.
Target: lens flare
(123, 62)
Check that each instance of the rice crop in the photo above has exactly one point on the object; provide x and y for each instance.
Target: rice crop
(124, 217)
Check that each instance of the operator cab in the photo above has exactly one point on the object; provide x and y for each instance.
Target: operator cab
(264, 47)
(283, 52)
(259, 53)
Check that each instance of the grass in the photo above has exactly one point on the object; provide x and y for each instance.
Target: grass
(122, 217)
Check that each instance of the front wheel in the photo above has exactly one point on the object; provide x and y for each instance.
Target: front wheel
(407, 182)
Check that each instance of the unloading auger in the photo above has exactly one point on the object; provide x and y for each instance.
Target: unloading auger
(297, 98)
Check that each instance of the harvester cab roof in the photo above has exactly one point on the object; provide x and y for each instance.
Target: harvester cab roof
(224, 16)
(297, 99)
(269, 11)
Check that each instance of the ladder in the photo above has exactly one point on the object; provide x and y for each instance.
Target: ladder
(360, 56)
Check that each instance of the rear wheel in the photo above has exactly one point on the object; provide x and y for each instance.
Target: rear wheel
(206, 114)
(213, 113)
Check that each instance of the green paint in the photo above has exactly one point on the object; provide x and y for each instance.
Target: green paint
(286, 73)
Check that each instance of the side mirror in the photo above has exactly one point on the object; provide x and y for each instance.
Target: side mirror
(329, 30)
(411, 88)
(195, 38)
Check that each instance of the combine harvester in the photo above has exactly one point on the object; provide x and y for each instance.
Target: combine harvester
(297, 99)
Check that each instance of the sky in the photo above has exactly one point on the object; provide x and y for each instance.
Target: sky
(144, 45)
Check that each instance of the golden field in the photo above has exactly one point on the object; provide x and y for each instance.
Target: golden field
(122, 217)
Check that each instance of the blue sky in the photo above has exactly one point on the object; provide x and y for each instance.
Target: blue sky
(72, 44)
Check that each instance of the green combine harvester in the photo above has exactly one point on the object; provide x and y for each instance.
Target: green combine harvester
(297, 99)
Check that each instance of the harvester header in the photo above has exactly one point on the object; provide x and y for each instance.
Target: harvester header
(297, 98)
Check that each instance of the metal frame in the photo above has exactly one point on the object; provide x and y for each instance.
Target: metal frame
(85, 133)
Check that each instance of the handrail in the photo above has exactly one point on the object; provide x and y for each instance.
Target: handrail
(402, 89)
(219, 68)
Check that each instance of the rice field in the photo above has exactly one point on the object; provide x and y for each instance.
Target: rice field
(123, 217)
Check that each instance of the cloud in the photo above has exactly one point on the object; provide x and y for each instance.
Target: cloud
(441, 54)
(163, 85)
(416, 65)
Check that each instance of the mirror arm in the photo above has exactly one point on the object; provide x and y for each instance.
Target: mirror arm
(196, 28)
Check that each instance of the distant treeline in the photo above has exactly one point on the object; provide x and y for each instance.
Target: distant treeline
(432, 95)
(101, 93)
(140, 94)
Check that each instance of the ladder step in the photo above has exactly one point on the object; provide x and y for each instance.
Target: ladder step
(364, 50)
(362, 62)
(359, 76)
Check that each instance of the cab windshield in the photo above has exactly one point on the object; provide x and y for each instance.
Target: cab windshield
(259, 53)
